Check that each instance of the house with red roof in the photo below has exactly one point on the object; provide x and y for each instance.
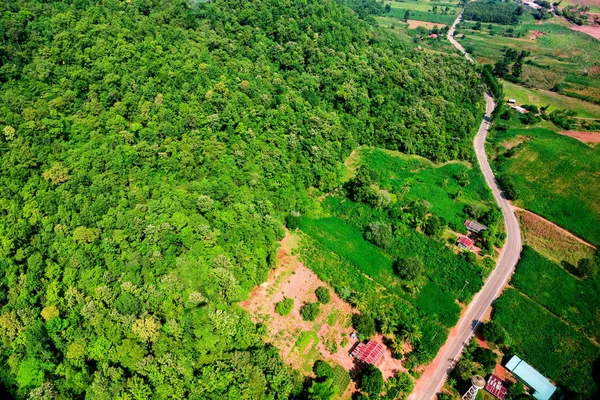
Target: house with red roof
(370, 352)
(465, 243)
(496, 387)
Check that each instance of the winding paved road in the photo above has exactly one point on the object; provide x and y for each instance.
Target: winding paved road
(436, 373)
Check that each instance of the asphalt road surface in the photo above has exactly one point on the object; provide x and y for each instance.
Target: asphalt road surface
(435, 375)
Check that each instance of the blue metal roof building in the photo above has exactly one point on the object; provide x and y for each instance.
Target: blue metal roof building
(542, 387)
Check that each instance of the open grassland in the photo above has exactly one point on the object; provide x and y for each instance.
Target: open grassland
(556, 177)
(574, 300)
(416, 178)
(408, 32)
(423, 11)
(541, 98)
(554, 348)
(551, 241)
(594, 5)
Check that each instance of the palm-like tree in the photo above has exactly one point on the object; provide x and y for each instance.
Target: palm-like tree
(358, 301)
(387, 327)
(411, 334)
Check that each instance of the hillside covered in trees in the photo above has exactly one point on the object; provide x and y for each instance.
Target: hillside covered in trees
(150, 151)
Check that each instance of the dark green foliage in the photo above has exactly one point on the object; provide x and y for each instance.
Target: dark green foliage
(323, 295)
(495, 333)
(309, 311)
(485, 357)
(292, 221)
(322, 390)
(562, 118)
(409, 269)
(364, 324)
(491, 11)
(587, 268)
(435, 226)
(323, 370)
(371, 381)
(284, 306)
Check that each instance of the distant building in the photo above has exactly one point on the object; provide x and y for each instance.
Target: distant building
(531, 4)
(496, 387)
(474, 226)
(370, 352)
(541, 386)
(512, 101)
(433, 36)
(520, 109)
(465, 243)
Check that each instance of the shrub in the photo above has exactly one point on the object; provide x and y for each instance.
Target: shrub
(409, 269)
(323, 295)
(310, 311)
(323, 370)
(485, 357)
(284, 307)
(586, 268)
(364, 324)
(379, 233)
(372, 381)
(293, 220)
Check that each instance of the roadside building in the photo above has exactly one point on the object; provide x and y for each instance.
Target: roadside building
(370, 352)
(496, 387)
(433, 36)
(465, 243)
(520, 109)
(512, 101)
(474, 226)
(541, 387)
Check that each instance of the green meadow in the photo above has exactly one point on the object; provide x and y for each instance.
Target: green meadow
(555, 176)
(423, 11)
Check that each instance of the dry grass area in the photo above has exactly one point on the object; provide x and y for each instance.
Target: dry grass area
(585, 137)
(509, 144)
(300, 342)
(552, 241)
(412, 24)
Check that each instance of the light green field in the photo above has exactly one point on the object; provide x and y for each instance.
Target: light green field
(556, 177)
(556, 101)
(421, 11)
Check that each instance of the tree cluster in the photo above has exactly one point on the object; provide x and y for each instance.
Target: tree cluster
(495, 11)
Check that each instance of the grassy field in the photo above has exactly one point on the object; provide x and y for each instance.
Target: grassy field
(423, 11)
(574, 300)
(552, 347)
(594, 5)
(556, 101)
(436, 184)
(555, 176)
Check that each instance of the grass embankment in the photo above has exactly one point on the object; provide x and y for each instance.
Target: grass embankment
(555, 176)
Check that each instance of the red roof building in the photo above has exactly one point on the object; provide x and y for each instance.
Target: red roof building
(465, 243)
(433, 36)
(496, 387)
(369, 353)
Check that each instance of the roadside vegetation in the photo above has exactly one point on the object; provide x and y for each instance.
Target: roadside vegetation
(392, 228)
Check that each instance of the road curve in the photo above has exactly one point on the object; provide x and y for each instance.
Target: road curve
(436, 373)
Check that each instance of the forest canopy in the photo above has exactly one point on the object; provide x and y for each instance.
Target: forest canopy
(150, 151)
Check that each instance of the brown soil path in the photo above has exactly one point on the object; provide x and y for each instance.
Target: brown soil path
(582, 136)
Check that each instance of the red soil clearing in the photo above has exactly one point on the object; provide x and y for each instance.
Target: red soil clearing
(585, 137)
(593, 31)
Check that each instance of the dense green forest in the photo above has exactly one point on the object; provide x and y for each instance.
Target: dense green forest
(150, 152)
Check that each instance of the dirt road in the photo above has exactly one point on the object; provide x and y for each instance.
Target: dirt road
(436, 373)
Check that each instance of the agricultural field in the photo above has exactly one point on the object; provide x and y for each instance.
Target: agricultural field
(554, 348)
(416, 33)
(554, 176)
(360, 265)
(421, 10)
(556, 60)
(575, 301)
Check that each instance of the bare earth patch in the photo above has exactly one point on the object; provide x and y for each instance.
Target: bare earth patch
(593, 31)
(412, 24)
(534, 35)
(324, 336)
(509, 144)
(585, 137)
